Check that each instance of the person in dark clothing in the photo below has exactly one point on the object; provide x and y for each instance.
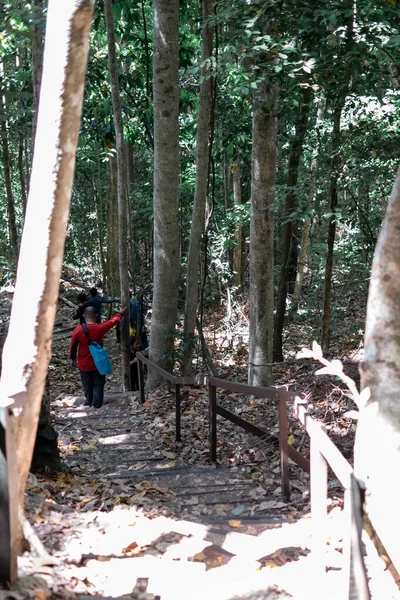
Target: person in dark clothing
(92, 381)
(97, 301)
(138, 343)
(133, 318)
(82, 304)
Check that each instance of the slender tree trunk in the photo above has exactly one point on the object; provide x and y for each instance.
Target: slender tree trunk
(112, 230)
(377, 449)
(37, 62)
(333, 199)
(262, 234)
(166, 184)
(201, 188)
(100, 230)
(25, 365)
(21, 171)
(239, 238)
(131, 227)
(305, 236)
(336, 161)
(12, 226)
(227, 181)
(122, 191)
(289, 241)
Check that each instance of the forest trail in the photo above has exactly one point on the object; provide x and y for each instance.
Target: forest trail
(131, 519)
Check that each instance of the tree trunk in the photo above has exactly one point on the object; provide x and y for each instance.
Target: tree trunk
(226, 164)
(238, 255)
(166, 184)
(336, 161)
(289, 241)
(305, 235)
(201, 188)
(21, 171)
(100, 230)
(12, 226)
(113, 281)
(262, 234)
(333, 198)
(377, 454)
(37, 62)
(46, 455)
(122, 191)
(25, 365)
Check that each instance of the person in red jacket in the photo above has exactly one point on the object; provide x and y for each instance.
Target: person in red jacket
(92, 381)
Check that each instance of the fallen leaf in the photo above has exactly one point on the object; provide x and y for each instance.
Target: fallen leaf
(234, 523)
(131, 547)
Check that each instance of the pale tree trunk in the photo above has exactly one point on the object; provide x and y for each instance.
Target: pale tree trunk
(239, 237)
(201, 188)
(262, 235)
(333, 200)
(113, 284)
(37, 62)
(288, 229)
(122, 191)
(377, 449)
(166, 184)
(25, 364)
(12, 225)
(305, 235)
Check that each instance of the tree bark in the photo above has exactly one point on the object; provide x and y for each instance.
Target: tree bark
(39, 268)
(122, 191)
(262, 234)
(305, 235)
(377, 454)
(166, 184)
(12, 225)
(201, 188)
(289, 240)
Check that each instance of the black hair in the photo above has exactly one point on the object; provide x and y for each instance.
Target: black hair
(81, 297)
(93, 292)
(90, 312)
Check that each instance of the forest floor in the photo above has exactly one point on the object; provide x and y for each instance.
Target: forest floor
(137, 515)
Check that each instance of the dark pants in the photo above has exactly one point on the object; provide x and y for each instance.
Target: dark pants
(93, 386)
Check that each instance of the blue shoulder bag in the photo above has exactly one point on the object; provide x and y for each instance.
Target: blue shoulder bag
(99, 355)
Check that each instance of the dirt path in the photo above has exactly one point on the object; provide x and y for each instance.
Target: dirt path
(129, 518)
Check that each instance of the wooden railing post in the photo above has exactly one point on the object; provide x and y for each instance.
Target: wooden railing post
(354, 566)
(177, 412)
(9, 546)
(283, 444)
(212, 395)
(141, 381)
(319, 498)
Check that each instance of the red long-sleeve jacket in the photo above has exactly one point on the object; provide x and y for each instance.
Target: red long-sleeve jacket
(79, 338)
